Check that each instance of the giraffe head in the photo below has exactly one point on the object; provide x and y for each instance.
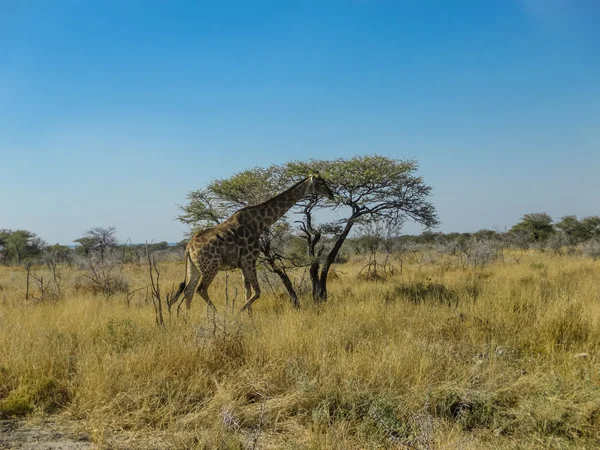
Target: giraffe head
(318, 186)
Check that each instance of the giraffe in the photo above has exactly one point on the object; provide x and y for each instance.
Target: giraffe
(234, 243)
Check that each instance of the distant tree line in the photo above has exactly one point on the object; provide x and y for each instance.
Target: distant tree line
(535, 230)
(22, 246)
(19, 245)
(532, 231)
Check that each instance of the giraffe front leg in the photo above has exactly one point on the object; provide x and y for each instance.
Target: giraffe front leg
(247, 286)
(251, 284)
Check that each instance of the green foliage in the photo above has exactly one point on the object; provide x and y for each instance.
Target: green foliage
(572, 229)
(222, 197)
(537, 226)
(578, 231)
(17, 404)
(204, 209)
(250, 187)
(86, 245)
(19, 245)
(46, 393)
(50, 394)
(98, 239)
(591, 227)
(374, 187)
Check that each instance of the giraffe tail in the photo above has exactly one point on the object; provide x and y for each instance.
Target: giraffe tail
(181, 289)
(183, 284)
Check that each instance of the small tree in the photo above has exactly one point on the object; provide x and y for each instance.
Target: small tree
(86, 245)
(376, 237)
(571, 231)
(103, 276)
(591, 227)
(537, 226)
(53, 256)
(98, 239)
(20, 245)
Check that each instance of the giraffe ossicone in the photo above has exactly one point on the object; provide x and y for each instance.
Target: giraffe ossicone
(234, 243)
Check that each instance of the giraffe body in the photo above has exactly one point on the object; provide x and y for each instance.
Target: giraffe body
(234, 243)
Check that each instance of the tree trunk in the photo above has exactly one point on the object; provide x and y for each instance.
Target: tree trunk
(285, 279)
(280, 272)
(320, 290)
(320, 282)
(314, 279)
(28, 269)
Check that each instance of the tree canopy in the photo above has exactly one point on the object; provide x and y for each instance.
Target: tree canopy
(98, 239)
(367, 189)
(19, 245)
(222, 197)
(578, 231)
(537, 226)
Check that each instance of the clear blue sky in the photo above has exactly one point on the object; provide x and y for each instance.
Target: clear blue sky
(111, 111)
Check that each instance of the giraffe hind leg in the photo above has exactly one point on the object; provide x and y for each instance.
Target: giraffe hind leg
(250, 280)
(208, 276)
(193, 278)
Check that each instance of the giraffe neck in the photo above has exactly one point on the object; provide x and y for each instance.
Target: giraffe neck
(273, 209)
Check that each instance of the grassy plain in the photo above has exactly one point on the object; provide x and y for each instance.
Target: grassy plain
(504, 356)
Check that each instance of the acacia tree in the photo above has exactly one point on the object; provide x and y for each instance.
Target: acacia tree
(19, 245)
(537, 226)
(367, 189)
(572, 230)
(98, 239)
(579, 231)
(591, 227)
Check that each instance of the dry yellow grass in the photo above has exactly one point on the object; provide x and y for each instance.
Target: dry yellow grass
(437, 357)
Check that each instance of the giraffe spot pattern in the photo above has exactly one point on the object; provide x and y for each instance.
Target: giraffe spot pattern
(234, 244)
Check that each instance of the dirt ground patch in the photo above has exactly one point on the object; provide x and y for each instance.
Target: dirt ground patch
(41, 436)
